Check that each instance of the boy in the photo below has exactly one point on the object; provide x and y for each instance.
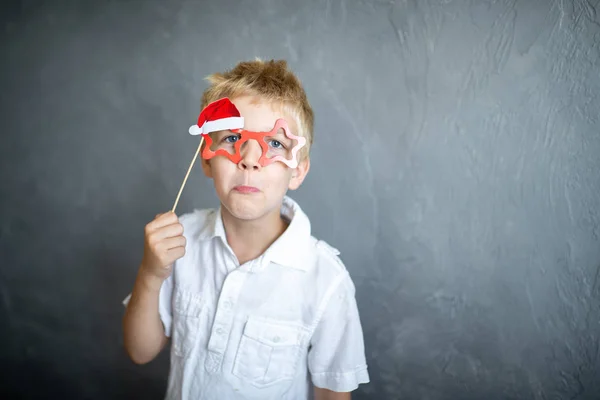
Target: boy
(255, 307)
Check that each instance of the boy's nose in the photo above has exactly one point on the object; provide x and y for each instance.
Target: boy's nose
(250, 152)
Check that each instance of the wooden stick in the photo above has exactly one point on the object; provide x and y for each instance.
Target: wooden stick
(188, 174)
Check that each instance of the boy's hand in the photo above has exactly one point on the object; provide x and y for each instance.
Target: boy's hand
(164, 243)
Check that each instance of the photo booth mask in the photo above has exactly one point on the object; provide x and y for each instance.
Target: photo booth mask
(221, 126)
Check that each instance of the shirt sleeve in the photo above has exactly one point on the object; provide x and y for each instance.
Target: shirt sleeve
(164, 304)
(336, 359)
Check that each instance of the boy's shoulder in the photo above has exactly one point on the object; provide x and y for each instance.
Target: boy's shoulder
(327, 254)
(327, 266)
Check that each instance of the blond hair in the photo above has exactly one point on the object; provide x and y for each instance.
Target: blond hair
(272, 81)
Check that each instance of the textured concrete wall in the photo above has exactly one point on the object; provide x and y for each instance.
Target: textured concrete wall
(456, 167)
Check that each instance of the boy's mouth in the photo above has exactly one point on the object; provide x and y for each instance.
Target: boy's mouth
(246, 189)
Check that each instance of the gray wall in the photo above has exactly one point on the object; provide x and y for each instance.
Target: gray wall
(456, 167)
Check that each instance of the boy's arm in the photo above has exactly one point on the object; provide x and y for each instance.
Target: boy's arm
(143, 331)
(336, 358)
(326, 394)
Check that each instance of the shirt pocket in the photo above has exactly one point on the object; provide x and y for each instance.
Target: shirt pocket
(269, 351)
(187, 307)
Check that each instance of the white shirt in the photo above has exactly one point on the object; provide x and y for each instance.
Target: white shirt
(267, 329)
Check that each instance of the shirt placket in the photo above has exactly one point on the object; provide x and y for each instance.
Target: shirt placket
(224, 318)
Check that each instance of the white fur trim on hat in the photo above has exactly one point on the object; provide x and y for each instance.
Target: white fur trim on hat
(218, 125)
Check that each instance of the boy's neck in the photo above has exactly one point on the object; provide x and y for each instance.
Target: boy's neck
(250, 239)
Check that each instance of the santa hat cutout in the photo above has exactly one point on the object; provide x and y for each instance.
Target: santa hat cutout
(219, 115)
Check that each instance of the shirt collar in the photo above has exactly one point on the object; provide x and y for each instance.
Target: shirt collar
(289, 250)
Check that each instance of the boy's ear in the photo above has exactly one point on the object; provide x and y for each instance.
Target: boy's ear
(299, 173)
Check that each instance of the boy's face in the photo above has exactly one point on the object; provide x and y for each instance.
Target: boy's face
(248, 190)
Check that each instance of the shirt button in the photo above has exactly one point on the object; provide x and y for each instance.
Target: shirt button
(220, 331)
(276, 339)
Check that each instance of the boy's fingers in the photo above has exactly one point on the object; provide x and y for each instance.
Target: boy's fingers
(161, 220)
(174, 242)
(176, 252)
(168, 231)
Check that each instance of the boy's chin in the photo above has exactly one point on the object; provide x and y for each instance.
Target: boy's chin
(244, 207)
(248, 207)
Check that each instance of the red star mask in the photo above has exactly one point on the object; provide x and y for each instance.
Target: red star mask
(221, 126)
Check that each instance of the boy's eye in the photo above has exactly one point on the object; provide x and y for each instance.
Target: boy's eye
(231, 138)
(276, 144)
